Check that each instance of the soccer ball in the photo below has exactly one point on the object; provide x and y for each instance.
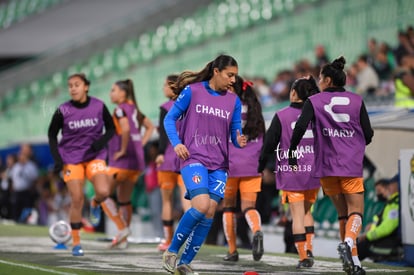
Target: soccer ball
(60, 232)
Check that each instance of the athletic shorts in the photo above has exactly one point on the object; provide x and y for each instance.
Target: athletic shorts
(342, 185)
(199, 180)
(85, 169)
(244, 184)
(167, 180)
(297, 196)
(123, 175)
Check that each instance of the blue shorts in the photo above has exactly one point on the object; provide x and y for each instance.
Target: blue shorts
(199, 180)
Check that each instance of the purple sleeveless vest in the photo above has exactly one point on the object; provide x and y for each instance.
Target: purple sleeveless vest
(302, 179)
(339, 139)
(170, 157)
(134, 157)
(81, 127)
(205, 128)
(243, 162)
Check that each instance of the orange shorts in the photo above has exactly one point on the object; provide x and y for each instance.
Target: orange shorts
(342, 185)
(244, 184)
(123, 175)
(297, 196)
(85, 169)
(168, 180)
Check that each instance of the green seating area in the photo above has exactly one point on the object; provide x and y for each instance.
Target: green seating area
(16, 10)
(264, 36)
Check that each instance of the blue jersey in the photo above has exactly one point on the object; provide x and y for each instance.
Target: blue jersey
(208, 119)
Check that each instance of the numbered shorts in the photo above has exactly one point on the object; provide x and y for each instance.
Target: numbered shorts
(199, 180)
(342, 185)
(246, 185)
(298, 196)
(84, 170)
(167, 180)
(123, 175)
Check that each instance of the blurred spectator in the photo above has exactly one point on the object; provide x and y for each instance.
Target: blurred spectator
(367, 78)
(372, 51)
(54, 200)
(410, 35)
(6, 185)
(385, 48)
(60, 204)
(321, 57)
(263, 90)
(404, 83)
(280, 87)
(351, 74)
(382, 64)
(23, 174)
(45, 196)
(303, 68)
(381, 240)
(403, 48)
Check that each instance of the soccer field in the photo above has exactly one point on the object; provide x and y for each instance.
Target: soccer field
(29, 250)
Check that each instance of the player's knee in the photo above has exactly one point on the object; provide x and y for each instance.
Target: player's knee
(77, 202)
(102, 192)
(202, 207)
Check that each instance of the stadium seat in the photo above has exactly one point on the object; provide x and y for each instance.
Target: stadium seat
(16, 10)
(263, 42)
(7, 99)
(35, 90)
(22, 96)
(74, 68)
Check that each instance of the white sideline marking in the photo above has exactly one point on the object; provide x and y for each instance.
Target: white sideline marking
(37, 268)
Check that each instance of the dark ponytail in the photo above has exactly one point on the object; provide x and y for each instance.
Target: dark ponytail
(255, 124)
(188, 77)
(305, 87)
(128, 86)
(335, 71)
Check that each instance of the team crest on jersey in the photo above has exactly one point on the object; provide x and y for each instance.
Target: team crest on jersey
(196, 178)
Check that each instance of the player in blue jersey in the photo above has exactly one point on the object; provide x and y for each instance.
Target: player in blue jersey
(210, 115)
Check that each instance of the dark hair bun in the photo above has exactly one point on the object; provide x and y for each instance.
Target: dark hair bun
(339, 63)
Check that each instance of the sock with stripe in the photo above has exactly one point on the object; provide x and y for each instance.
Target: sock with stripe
(300, 243)
(187, 223)
(125, 211)
(253, 219)
(353, 227)
(195, 240)
(110, 209)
